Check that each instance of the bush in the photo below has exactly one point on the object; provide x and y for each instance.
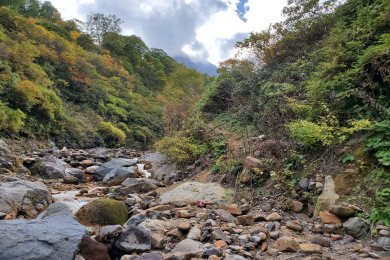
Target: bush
(11, 120)
(310, 133)
(379, 142)
(112, 136)
(182, 150)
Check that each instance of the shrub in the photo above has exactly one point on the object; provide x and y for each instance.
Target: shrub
(11, 120)
(112, 136)
(182, 150)
(379, 142)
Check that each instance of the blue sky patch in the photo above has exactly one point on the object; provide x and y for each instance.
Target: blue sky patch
(242, 9)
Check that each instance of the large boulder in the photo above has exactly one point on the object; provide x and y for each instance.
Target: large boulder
(111, 165)
(196, 191)
(118, 175)
(75, 172)
(103, 212)
(50, 237)
(24, 197)
(357, 227)
(161, 168)
(50, 167)
(134, 238)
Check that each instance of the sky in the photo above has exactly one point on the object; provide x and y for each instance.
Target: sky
(203, 30)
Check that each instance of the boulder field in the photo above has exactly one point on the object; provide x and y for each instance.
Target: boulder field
(124, 215)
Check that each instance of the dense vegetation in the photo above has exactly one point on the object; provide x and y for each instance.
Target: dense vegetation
(314, 81)
(317, 83)
(56, 83)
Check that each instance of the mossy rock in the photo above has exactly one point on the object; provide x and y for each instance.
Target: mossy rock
(103, 212)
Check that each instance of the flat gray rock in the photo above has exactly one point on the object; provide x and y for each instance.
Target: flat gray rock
(51, 238)
(196, 191)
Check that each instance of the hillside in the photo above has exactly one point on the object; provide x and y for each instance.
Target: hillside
(57, 84)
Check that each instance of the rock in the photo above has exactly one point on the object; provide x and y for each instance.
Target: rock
(296, 206)
(218, 234)
(294, 226)
(50, 167)
(328, 218)
(103, 212)
(384, 242)
(357, 227)
(111, 165)
(252, 164)
(185, 214)
(118, 175)
(342, 211)
(187, 248)
(322, 241)
(157, 226)
(75, 172)
(138, 185)
(274, 234)
(158, 241)
(310, 248)
(246, 220)
(56, 237)
(57, 209)
(225, 216)
(232, 209)
(92, 249)
(24, 197)
(304, 183)
(195, 191)
(134, 238)
(328, 196)
(274, 216)
(110, 231)
(220, 243)
(71, 180)
(92, 169)
(151, 256)
(194, 233)
(234, 257)
(175, 233)
(283, 244)
(184, 226)
(87, 163)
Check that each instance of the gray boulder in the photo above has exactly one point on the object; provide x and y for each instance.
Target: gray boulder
(53, 236)
(75, 172)
(118, 175)
(24, 197)
(137, 185)
(111, 165)
(134, 238)
(357, 227)
(50, 167)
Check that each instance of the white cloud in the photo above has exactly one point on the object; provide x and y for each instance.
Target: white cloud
(205, 30)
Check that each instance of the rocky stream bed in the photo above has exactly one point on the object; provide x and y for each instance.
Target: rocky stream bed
(102, 204)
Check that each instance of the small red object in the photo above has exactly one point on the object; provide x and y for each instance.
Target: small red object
(206, 163)
(201, 204)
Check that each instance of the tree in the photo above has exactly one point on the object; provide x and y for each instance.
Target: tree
(98, 24)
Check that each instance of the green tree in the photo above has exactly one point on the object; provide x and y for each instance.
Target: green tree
(99, 24)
